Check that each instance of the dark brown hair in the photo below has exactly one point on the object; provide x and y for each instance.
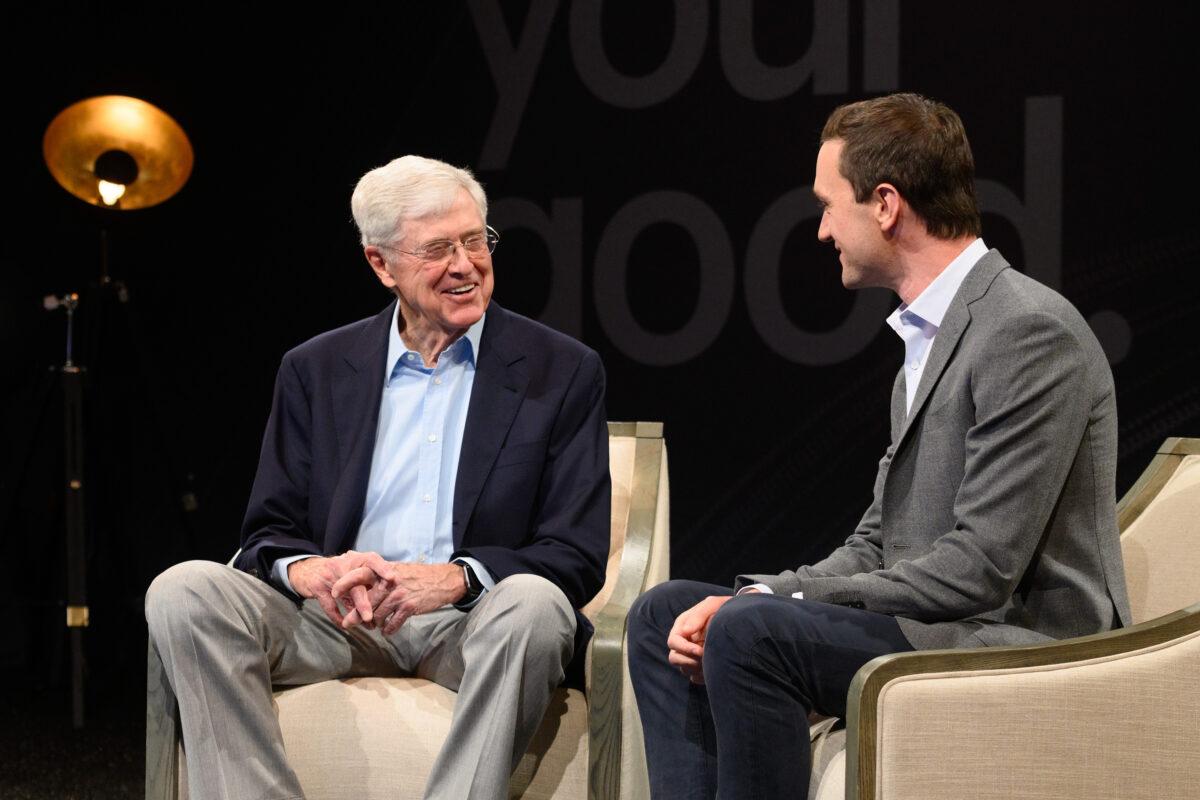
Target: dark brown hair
(917, 145)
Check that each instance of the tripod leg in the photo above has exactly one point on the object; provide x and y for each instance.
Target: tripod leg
(77, 610)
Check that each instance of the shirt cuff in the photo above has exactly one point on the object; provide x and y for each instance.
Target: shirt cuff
(279, 571)
(762, 587)
(481, 572)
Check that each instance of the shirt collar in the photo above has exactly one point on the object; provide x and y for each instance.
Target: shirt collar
(396, 348)
(930, 306)
(473, 335)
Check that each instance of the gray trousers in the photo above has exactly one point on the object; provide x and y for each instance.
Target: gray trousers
(221, 639)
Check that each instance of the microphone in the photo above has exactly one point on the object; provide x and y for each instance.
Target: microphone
(52, 302)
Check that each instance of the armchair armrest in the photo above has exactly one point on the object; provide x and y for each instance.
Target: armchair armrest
(606, 674)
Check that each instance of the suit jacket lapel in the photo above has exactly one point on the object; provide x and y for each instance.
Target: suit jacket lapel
(954, 324)
(496, 396)
(357, 392)
(897, 407)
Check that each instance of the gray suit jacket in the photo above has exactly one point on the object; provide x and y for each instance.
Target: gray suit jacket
(993, 520)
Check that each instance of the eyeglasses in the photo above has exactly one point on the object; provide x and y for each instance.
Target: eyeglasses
(475, 244)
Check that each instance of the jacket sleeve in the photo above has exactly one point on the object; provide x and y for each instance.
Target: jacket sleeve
(276, 522)
(1032, 404)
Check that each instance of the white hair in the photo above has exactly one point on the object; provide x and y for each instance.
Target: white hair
(408, 188)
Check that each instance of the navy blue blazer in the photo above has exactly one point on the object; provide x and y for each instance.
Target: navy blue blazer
(532, 493)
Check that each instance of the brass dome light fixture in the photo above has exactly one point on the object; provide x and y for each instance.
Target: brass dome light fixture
(117, 152)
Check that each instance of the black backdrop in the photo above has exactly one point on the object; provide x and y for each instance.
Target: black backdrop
(648, 165)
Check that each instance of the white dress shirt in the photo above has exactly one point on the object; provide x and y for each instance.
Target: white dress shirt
(917, 323)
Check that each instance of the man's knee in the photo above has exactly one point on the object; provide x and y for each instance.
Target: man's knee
(773, 633)
(182, 591)
(532, 607)
(649, 603)
(659, 605)
(738, 627)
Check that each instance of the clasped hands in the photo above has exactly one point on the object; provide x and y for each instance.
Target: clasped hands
(375, 592)
(686, 639)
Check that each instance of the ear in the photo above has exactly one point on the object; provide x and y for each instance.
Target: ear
(379, 265)
(888, 203)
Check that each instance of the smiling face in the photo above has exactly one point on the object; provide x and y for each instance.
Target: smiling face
(444, 297)
(853, 227)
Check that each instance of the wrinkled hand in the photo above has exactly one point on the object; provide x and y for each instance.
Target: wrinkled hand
(315, 577)
(395, 591)
(686, 639)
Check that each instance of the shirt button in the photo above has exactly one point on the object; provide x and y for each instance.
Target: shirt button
(427, 498)
(433, 437)
(409, 356)
(421, 558)
(438, 381)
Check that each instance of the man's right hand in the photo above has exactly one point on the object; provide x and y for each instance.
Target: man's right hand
(315, 577)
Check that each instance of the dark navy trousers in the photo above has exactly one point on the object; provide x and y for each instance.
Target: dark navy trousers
(768, 661)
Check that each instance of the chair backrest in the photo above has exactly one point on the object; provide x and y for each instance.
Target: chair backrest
(639, 549)
(1160, 532)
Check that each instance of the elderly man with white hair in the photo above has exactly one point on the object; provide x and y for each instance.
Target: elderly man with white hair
(432, 499)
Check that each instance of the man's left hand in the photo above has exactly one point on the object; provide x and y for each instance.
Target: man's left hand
(686, 639)
(399, 590)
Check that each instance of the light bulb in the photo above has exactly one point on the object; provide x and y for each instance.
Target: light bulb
(110, 193)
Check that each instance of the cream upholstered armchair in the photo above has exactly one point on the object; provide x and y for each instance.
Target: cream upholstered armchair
(1111, 715)
(370, 738)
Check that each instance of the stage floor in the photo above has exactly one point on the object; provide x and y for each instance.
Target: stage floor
(43, 758)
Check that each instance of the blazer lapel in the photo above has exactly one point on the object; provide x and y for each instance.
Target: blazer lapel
(955, 323)
(496, 396)
(357, 391)
(897, 408)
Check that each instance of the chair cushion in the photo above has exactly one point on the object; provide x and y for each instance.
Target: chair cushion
(828, 778)
(1161, 543)
(387, 733)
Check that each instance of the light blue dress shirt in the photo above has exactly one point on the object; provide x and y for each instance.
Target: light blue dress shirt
(409, 508)
(917, 323)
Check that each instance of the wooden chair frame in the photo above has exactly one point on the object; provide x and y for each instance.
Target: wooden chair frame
(607, 665)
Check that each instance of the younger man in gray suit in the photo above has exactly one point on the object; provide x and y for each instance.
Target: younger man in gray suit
(993, 519)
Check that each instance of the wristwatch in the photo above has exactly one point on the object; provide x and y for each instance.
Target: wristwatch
(474, 585)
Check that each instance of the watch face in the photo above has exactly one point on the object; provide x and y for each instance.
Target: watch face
(474, 586)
